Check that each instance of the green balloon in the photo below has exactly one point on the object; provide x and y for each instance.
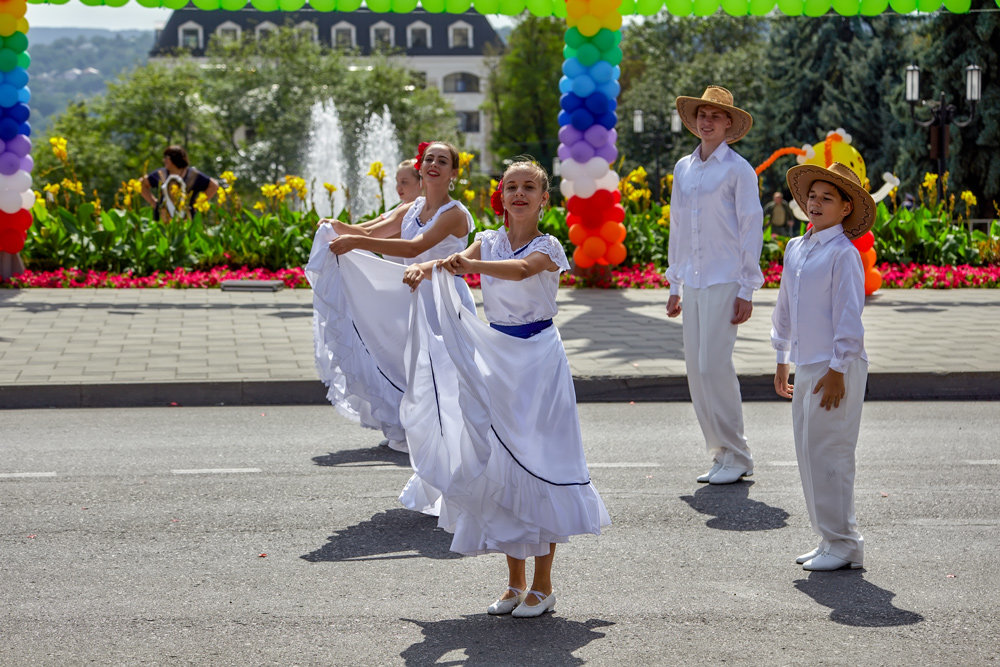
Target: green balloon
(627, 8)
(648, 7)
(903, 6)
(92, 3)
(604, 39)
(540, 7)
(236, 5)
(16, 42)
(568, 52)
(174, 4)
(150, 4)
(116, 3)
(432, 6)
(485, 7)
(346, 5)
(736, 7)
(8, 60)
(265, 5)
(958, 6)
(511, 7)
(928, 6)
(873, 7)
(705, 7)
(761, 7)
(291, 5)
(588, 54)
(847, 7)
(573, 38)
(23, 60)
(457, 6)
(206, 5)
(377, 6)
(816, 7)
(790, 7)
(559, 9)
(680, 7)
(403, 6)
(613, 55)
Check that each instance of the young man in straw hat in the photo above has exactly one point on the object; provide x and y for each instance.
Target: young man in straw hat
(714, 253)
(817, 324)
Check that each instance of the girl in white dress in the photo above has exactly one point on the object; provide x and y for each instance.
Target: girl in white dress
(360, 305)
(490, 409)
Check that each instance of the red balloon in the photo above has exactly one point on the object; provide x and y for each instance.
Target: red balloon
(582, 259)
(601, 199)
(11, 240)
(616, 196)
(864, 242)
(575, 205)
(617, 213)
(573, 219)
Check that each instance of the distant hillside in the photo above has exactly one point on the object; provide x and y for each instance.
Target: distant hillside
(76, 63)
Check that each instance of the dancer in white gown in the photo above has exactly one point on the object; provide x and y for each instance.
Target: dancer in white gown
(360, 306)
(490, 409)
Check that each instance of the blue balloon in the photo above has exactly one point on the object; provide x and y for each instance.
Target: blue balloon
(25, 129)
(582, 119)
(608, 120)
(23, 95)
(583, 85)
(597, 103)
(570, 102)
(19, 112)
(8, 95)
(601, 72)
(611, 89)
(8, 129)
(565, 84)
(564, 118)
(572, 68)
(17, 77)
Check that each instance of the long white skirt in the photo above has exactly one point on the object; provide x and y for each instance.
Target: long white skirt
(494, 434)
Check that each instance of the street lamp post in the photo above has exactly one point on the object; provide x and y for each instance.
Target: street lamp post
(942, 114)
(656, 137)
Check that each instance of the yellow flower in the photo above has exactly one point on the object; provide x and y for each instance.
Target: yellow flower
(229, 177)
(377, 172)
(201, 203)
(222, 194)
(464, 160)
(298, 184)
(52, 189)
(664, 220)
(72, 186)
(269, 190)
(134, 186)
(330, 188)
(493, 185)
(59, 148)
(469, 195)
(968, 198)
(260, 206)
(284, 191)
(930, 181)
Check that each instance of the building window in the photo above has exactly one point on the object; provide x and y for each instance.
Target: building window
(189, 36)
(383, 35)
(468, 121)
(265, 30)
(460, 35)
(344, 36)
(418, 36)
(308, 31)
(228, 32)
(461, 82)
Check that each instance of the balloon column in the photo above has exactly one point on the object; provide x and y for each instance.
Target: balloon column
(587, 133)
(16, 195)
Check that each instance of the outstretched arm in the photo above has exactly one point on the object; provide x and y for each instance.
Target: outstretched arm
(452, 222)
(505, 269)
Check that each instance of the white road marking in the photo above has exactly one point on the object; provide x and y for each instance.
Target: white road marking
(26, 474)
(624, 464)
(213, 471)
(788, 464)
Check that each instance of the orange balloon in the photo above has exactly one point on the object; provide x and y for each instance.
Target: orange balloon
(578, 234)
(873, 280)
(868, 258)
(616, 254)
(582, 259)
(612, 232)
(595, 247)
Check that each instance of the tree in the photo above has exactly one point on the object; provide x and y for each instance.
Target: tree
(523, 95)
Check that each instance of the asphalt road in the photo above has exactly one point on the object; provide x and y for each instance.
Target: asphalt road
(243, 535)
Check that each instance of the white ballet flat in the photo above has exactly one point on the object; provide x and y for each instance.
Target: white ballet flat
(501, 607)
(547, 603)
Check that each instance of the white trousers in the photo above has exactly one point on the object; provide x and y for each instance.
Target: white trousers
(709, 339)
(824, 446)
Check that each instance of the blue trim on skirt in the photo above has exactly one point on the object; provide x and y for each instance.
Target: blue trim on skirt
(523, 330)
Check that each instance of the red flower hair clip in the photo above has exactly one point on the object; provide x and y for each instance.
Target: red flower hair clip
(496, 201)
(420, 152)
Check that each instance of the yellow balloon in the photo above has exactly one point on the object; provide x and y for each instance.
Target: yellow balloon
(8, 25)
(589, 25)
(843, 153)
(577, 8)
(22, 25)
(612, 21)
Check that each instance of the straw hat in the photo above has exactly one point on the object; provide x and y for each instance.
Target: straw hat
(717, 96)
(862, 216)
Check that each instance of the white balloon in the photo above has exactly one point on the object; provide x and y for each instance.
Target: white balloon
(10, 201)
(585, 188)
(21, 180)
(566, 187)
(571, 169)
(608, 182)
(28, 199)
(596, 167)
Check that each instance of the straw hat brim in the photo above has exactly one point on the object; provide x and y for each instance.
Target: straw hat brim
(801, 177)
(687, 107)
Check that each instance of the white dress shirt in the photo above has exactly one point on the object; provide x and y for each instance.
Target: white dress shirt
(716, 223)
(818, 314)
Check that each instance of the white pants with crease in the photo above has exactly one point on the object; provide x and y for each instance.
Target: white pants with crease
(825, 441)
(709, 339)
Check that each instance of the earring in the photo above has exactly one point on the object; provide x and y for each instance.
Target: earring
(541, 213)
(451, 185)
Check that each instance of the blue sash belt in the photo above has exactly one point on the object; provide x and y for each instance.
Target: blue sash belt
(523, 330)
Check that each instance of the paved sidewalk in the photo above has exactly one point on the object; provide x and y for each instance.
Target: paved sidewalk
(106, 347)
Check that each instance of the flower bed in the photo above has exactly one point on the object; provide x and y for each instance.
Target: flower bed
(917, 276)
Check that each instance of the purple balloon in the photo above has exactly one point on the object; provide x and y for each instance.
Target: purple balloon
(3, 145)
(612, 136)
(563, 152)
(569, 134)
(27, 163)
(607, 152)
(581, 151)
(9, 163)
(20, 145)
(596, 135)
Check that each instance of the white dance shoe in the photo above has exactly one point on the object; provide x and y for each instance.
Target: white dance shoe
(730, 473)
(809, 556)
(501, 607)
(827, 562)
(547, 603)
(398, 446)
(703, 479)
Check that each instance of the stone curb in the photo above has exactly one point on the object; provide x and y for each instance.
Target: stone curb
(965, 386)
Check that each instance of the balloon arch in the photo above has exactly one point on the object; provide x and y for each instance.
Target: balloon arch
(589, 88)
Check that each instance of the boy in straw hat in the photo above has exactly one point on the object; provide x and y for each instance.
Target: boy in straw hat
(817, 325)
(714, 253)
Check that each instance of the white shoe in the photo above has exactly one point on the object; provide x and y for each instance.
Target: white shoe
(826, 562)
(398, 446)
(546, 603)
(708, 475)
(501, 607)
(809, 556)
(729, 474)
